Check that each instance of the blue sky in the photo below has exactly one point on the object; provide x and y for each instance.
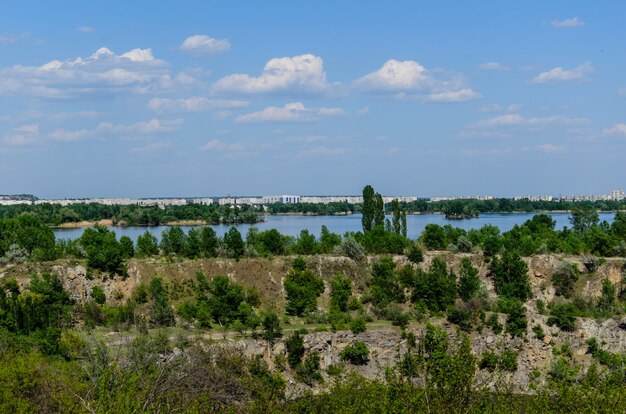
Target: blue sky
(212, 98)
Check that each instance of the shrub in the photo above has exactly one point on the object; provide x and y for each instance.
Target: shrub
(97, 294)
(460, 317)
(538, 330)
(271, 327)
(563, 315)
(357, 353)
(489, 361)
(340, 292)
(295, 349)
(508, 360)
(358, 325)
(351, 248)
(564, 278)
(510, 276)
(308, 370)
(415, 254)
(302, 288)
(469, 283)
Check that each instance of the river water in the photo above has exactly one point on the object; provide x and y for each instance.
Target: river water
(292, 225)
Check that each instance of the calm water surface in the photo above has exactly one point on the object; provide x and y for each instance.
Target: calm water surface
(292, 225)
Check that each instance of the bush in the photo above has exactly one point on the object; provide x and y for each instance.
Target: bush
(516, 322)
(97, 294)
(489, 361)
(351, 248)
(538, 330)
(469, 283)
(295, 349)
(510, 276)
(460, 317)
(302, 288)
(563, 315)
(563, 279)
(358, 325)
(415, 254)
(357, 353)
(340, 292)
(508, 360)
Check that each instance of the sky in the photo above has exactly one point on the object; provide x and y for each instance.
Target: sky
(208, 98)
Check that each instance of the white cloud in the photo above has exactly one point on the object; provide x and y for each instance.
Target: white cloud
(7, 39)
(321, 151)
(287, 75)
(69, 136)
(22, 135)
(204, 45)
(617, 129)
(461, 95)
(494, 66)
(153, 147)
(103, 74)
(153, 126)
(506, 126)
(567, 23)
(193, 104)
(363, 111)
(85, 29)
(559, 74)
(215, 145)
(550, 148)
(409, 78)
(292, 112)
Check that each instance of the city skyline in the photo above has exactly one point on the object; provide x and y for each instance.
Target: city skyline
(320, 98)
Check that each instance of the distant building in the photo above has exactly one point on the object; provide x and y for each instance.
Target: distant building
(534, 198)
(486, 197)
(285, 199)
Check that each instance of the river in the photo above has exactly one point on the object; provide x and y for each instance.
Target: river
(292, 225)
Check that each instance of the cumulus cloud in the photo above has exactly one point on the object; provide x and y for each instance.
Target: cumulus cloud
(204, 45)
(495, 66)
(152, 147)
(69, 136)
(506, 126)
(193, 104)
(153, 126)
(461, 95)
(617, 129)
(292, 112)
(559, 74)
(85, 29)
(567, 23)
(103, 73)
(22, 135)
(321, 151)
(409, 78)
(550, 148)
(287, 75)
(215, 145)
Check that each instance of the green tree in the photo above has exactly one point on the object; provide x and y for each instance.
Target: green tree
(98, 295)
(173, 241)
(385, 285)
(234, 243)
(510, 276)
(369, 208)
(147, 245)
(103, 250)
(295, 349)
(271, 327)
(126, 244)
(583, 219)
(302, 288)
(162, 313)
(340, 292)
(208, 242)
(469, 282)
